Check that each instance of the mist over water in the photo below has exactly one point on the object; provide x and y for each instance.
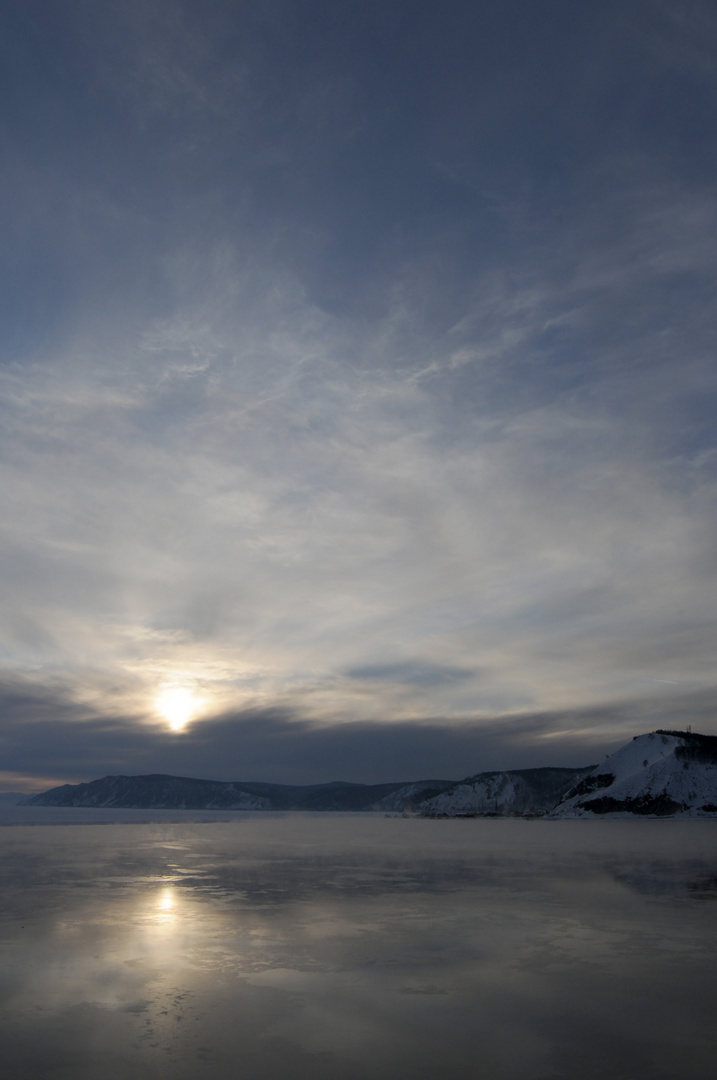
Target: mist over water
(358, 947)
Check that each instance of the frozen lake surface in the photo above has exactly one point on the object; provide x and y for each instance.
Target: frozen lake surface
(356, 948)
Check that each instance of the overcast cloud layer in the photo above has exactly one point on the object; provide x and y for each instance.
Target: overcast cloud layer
(358, 379)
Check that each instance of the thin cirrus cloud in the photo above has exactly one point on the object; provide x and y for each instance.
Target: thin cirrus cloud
(347, 378)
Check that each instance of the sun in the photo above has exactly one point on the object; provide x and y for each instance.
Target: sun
(177, 705)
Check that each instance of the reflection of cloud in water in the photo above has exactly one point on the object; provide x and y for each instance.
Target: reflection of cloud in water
(306, 947)
(704, 888)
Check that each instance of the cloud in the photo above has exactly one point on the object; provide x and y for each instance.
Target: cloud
(354, 401)
(421, 674)
(245, 506)
(48, 739)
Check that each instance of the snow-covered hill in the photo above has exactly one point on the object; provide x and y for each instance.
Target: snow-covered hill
(664, 773)
(158, 791)
(520, 791)
(410, 796)
(153, 792)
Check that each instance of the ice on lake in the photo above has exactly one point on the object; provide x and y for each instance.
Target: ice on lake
(357, 948)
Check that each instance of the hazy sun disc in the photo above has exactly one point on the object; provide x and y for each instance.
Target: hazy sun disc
(177, 705)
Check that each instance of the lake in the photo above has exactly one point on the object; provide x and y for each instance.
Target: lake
(356, 947)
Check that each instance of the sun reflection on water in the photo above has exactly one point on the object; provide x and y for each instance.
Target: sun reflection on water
(166, 906)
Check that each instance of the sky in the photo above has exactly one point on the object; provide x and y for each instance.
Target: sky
(357, 385)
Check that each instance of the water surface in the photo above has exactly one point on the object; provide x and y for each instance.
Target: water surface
(358, 948)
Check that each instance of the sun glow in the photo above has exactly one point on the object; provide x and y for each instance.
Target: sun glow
(178, 705)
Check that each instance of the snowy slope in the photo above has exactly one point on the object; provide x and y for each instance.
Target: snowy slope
(660, 774)
(411, 795)
(520, 791)
(154, 791)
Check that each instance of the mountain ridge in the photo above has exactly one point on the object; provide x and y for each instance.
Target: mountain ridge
(164, 792)
(663, 773)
